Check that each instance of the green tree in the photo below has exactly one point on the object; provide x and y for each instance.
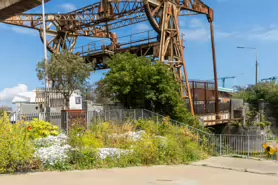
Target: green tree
(136, 82)
(268, 92)
(68, 73)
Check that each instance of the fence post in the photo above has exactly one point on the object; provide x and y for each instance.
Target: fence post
(67, 122)
(220, 144)
(87, 117)
(248, 145)
(156, 118)
(142, 113)
(134, 114)
(121, 112)
(104, 115)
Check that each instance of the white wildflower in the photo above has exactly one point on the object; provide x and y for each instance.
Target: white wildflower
(134, 136)
(53, 154)
(52, 150)
(112, 152)
(51, 140)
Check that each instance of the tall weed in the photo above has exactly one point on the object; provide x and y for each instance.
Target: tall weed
(16, 148)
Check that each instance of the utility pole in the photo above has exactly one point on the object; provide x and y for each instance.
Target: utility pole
(217, 105)
(47, 82)
(257, 64)
(44, 43)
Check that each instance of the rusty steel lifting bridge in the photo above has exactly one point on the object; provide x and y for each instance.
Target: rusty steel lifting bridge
(100, 19)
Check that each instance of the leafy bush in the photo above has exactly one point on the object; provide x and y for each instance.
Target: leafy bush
(41, 129)
(81, 138)
(148, 125)
(83, 159)
(16, 148)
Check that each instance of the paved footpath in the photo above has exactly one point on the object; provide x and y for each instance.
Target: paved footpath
(157, 175)
(239, 164)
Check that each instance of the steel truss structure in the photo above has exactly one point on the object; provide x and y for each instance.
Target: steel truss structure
(100, 19)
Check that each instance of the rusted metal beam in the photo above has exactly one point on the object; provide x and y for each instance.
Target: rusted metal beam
(196, 6)
(71, 23)
(86, 19)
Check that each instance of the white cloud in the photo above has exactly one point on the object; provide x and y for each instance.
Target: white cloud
(20, 30)
(26, 31)
(269, 33)
(195, 30)
(196, 23)
(198, 30)
(225, 35)
(200, 34)
(68, 7)
(7, 94)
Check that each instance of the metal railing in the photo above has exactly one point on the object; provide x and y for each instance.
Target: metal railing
(54, 117)
(247, 146)
(124, 115)
(127, 41)
(209, 108)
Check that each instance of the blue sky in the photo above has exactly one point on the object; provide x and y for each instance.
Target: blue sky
(237, 23)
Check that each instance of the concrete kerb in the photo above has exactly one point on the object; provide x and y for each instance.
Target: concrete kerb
(235, 169)
(241, 169)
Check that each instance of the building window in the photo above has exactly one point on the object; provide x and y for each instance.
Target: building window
(78, 100)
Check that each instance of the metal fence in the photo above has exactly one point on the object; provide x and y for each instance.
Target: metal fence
(219, 145)
(247, 146)
(63, 120)
(54, 117)
(123, 115)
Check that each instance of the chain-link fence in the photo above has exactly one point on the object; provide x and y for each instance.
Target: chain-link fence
(259, 146)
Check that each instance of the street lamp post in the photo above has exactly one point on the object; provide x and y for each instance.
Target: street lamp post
(257, 64)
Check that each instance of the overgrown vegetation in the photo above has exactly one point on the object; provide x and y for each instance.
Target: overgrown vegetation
(16, 148)
(36, 145)
(137, 82)
(131, 144)
(266, 92)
